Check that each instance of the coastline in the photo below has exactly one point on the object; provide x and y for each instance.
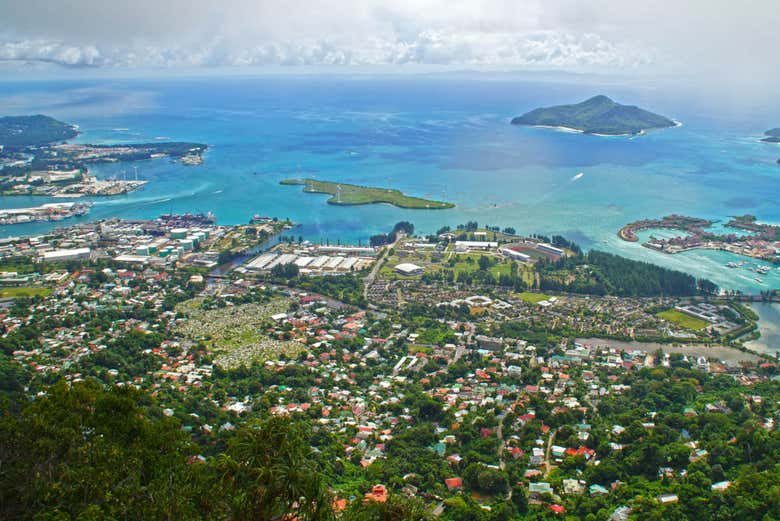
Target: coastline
(571, 130)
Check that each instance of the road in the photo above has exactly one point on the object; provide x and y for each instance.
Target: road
(550, 441)
(501, 446)
(378, 265)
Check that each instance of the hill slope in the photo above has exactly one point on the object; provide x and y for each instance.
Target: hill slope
(772, 136)
(23, 131)
(597, 115)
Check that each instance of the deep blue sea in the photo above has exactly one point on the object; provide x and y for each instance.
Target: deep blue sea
(438, 137)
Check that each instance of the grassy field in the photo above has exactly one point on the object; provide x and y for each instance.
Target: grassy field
(683, 320)
(347, 195)
(24, 292)
(533, 298)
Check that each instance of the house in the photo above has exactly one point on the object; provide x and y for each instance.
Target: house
(720, 486)
(536, 490)
(454, 483)
(378, 493)
(573, 487)
(489, 343)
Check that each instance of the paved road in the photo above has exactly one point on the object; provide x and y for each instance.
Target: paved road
(501, 446)
(378, 265)
(550, 441)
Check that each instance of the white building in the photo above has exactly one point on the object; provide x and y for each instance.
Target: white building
(407, 268)
(66, 255)
(475, 245)
(514, 255)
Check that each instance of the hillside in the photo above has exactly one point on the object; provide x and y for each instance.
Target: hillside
(23, 131)
(597, 115)
(772, 135)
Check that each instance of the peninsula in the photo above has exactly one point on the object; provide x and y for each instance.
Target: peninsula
(36, 160)
(598, 115)
(350, 195)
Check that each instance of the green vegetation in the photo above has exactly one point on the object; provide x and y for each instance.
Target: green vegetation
(346, 194)
(24, 131)
(600, 273)
(598, 115)
(533, 298)
(682, 319)
(24, 292)
(85, 451)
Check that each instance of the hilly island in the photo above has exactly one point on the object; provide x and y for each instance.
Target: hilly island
(597, 115)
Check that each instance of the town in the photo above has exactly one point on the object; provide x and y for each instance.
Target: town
(421, 373)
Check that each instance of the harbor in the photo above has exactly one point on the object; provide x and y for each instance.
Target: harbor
(44, 212)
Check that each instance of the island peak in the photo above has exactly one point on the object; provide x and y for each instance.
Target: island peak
(596, 115)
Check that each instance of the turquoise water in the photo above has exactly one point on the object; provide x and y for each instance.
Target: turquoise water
(442, 138)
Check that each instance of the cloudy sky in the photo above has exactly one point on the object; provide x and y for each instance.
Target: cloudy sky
(706, 38)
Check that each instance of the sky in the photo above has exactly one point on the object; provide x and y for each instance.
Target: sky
(719, 41)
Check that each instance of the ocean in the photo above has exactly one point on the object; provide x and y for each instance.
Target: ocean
(439, 137)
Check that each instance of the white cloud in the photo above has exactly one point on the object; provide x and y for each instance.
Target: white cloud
(716, 39)
(548, 49)
(50, 51)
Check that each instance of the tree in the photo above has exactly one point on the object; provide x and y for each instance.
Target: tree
(84, 451)
(268, 472)
(285, 271)
(396, 508)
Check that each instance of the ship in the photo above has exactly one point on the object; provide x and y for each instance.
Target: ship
(190, 218)
(259, 219)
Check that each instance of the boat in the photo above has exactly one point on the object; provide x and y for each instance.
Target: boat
(758, 280)
(732, 265)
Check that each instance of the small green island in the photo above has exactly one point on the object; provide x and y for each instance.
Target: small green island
(351, 195)
(598, 115)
